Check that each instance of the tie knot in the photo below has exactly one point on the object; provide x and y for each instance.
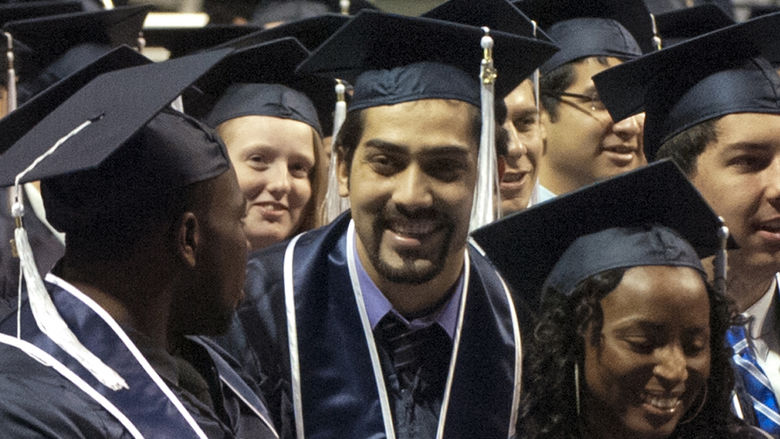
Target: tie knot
(410, 349)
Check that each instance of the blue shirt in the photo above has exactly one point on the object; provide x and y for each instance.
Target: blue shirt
(377, 305)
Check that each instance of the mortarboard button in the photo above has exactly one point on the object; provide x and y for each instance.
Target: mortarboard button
(20, 121)
(374, 43)
(143, 91)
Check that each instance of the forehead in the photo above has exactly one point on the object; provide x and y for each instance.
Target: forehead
(748, 128)
(663, 294)
(521, 97)
(427, 122)
(586, 68)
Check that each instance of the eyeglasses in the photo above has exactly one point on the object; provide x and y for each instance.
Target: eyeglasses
(593, 100)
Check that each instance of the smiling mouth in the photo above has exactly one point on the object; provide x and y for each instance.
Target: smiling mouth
(415, 228)
(663, 403)
(620, 149)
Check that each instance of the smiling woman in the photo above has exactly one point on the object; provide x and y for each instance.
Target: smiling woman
(629, 341)
(276, 162)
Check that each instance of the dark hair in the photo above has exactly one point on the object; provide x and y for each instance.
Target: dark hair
(352, 130)
(685, 147)
(556, 81)
(548, 408)
(117, 233)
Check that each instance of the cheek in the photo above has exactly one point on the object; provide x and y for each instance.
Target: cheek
(300, 192)
(251, 181)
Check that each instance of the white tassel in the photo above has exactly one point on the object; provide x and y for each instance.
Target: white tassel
(344, 6)
(11, 100)
(720, 263)
(44, 312)
(487, 203)
(535, 77)
(334, 203)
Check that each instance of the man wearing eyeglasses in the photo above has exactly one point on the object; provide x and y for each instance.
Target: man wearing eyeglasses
(583, 143)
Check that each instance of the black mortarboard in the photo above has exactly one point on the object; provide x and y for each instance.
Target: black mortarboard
(499, 15)
(683, 24)
(583, 28)
(718, 73)
(21, 11)
(240, 86)
(182, 41)
(119, 104)
(310, 32)
(525, 246)
(392, 59)
(283, 11)
(70, 42)
(14, 125)
(770, 52)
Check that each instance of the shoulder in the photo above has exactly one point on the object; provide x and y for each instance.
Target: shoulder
(36, 401)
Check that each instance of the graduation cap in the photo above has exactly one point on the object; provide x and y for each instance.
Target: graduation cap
(142, 91)
(683, 24)
(584, 28)
(611, 218)
(278, 11)
(238, 87)
(311, 32)
(718, 73)
(70, 42)
(182, 41)
(499, 15)
(392, 58)
(14, 125)
(93, 155)
(20, 11)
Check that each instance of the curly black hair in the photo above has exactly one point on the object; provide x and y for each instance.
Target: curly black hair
(548, 407)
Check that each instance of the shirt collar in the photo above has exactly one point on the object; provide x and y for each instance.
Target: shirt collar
(377, 305)
(759, 314)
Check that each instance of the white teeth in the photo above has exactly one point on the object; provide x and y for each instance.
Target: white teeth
(414, 228)
(662, 403)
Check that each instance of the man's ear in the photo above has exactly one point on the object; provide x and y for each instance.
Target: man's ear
(343, 175)
(188, 238)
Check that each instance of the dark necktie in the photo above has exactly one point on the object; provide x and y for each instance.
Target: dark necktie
(414, 352)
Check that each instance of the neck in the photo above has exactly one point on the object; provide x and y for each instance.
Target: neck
(554, 181)
(745, 284)
(129, 294)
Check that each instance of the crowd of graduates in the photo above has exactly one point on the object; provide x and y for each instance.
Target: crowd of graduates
(499, 219)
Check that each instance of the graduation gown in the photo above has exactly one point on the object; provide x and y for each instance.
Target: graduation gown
(45, 393)
(301, 334)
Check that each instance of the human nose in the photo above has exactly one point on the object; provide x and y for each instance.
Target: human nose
(627, 128)
(773, 183)
(515, 145)
(671, 365)
(278, 180)
(412, 190)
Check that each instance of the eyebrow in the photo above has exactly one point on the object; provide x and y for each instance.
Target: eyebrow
(749, 146)
(432, 150)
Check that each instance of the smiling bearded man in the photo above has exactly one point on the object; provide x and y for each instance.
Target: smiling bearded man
(386, 323)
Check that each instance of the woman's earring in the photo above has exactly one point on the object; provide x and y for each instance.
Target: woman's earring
(698, 409)
(577, 386)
